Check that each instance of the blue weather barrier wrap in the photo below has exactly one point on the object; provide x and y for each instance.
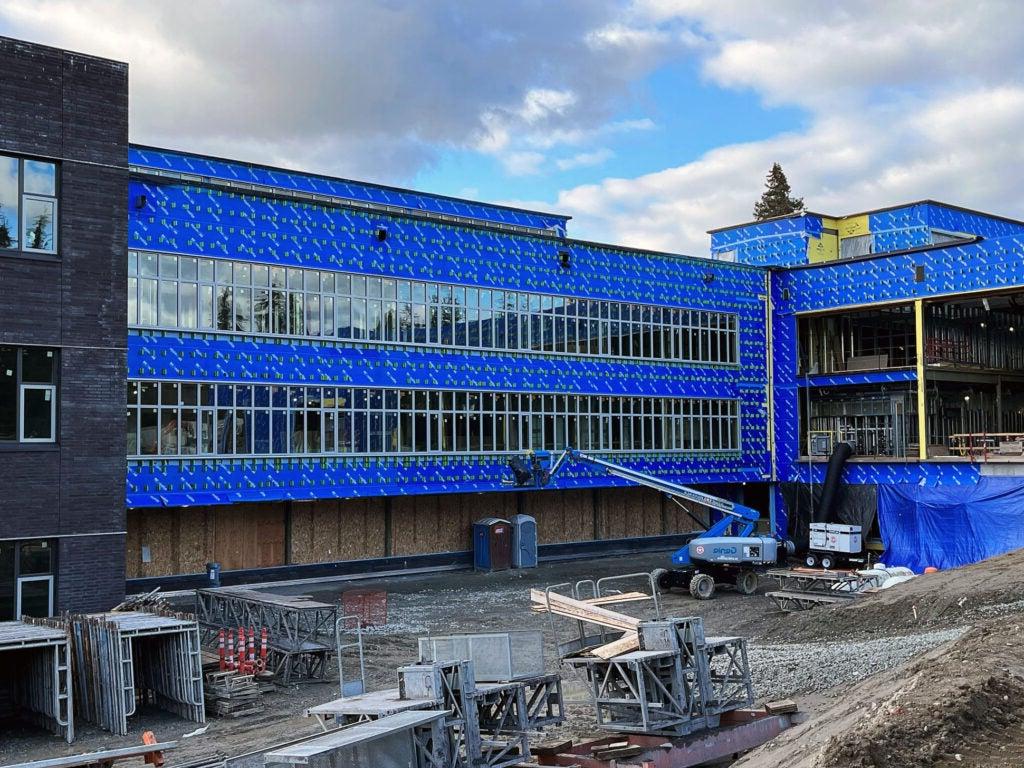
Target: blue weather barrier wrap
(949, 526)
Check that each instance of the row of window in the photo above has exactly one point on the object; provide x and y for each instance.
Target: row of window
(28, 394)
(28, 205)
(180, 292)
(185, 419)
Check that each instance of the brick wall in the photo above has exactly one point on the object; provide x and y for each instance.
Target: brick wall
(72, 109)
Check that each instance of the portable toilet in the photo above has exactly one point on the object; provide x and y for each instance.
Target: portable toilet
(492, 544)
(524, 541)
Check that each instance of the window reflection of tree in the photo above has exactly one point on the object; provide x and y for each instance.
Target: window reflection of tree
(39, 237)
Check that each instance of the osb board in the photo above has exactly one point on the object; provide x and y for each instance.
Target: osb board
(677, 521)
(332, 530)
(561, 515)
(416, 524)
(443, 522)
(156, 529)
(238, 536)
(629, 512)
(183, 540)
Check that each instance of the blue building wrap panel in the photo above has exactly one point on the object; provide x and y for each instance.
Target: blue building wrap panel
(995, 263)
(191, 482)
(778, 242)
(992, 264)
(200, 221)
(168, 161)
(193, 219)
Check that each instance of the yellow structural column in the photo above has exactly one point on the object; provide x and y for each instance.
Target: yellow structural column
(922, 414)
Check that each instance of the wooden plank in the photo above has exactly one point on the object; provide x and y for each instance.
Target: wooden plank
(566, 606)
(628, 642)
(781, 707)
(625, 597)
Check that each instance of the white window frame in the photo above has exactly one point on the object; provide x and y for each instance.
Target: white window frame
(52, 389)
(17, 590)
(52, 250)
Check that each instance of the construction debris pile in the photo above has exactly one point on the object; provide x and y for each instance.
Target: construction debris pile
(229, 694)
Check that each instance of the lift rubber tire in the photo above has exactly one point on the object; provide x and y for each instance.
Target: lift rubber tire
(827, 562)
(702, 586)
(811, 561)
(662, 579)
(746, 582)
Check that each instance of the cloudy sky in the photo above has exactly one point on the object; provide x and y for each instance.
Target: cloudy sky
(649, 121)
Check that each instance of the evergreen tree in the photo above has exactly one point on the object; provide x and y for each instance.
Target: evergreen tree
(5, 232)
(776, 200)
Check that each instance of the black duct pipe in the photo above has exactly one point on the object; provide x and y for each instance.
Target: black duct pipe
(825, 513)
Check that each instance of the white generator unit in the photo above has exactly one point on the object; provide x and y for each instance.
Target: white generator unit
(832, 542)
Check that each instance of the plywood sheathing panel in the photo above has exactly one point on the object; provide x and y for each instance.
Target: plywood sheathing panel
(328, 531)
(629, 512)
(183, 540)
(133, 547)
(301, 539)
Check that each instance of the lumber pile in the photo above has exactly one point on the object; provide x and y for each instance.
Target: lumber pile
(142, 602)
(625, 597)
(229, 694)
(587, 610)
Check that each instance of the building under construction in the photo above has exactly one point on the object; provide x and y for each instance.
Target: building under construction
(325, 371)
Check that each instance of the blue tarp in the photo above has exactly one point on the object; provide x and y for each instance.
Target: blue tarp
(951, 525)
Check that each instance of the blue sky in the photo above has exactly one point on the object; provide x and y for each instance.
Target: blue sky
(648, 121)
(678, 116)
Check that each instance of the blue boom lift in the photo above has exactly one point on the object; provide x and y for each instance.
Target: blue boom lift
(715, 556)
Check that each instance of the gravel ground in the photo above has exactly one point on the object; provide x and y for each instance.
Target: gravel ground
(783, 671)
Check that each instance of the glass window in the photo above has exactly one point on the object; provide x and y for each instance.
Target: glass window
(38, 413)
(28, 205)
(39, 217)
(8, 393)
(37, 365)
(40, 178)
(35, 558)
(28, 394)
(9, 208)
(189, 268)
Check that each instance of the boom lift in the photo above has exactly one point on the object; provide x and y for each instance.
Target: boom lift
(715, 556)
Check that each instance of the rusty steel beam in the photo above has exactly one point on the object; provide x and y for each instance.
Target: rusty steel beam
(741, 731)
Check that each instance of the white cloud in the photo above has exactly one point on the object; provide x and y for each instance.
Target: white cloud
(522, 163)
(585, 159)
(372, 90)
(905, 100)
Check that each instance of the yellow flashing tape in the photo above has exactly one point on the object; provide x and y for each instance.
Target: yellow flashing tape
(824, 248)
(854, 226)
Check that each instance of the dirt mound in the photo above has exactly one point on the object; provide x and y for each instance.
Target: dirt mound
(961, 704)
(940, 600)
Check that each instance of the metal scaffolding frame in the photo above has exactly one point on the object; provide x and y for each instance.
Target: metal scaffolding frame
(679, 682)
(119, 656)
(302, 633)
(486, 723)
(40, 675)
(417, 739)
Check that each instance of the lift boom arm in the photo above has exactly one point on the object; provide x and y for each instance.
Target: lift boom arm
(534, 473)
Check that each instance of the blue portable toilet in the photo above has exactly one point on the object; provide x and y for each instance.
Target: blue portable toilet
(492, 544)
(524, 541)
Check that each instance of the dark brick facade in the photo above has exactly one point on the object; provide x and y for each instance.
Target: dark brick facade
(72, 109)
